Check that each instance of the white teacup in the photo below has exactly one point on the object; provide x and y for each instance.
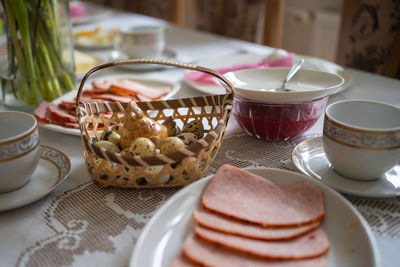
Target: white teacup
(146, 41)
(19, 149)
(361, 138)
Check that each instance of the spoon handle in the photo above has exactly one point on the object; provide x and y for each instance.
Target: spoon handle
(296, 66)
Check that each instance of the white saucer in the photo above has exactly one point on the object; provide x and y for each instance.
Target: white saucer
(118, 55)
(309, 158)
(52, 169)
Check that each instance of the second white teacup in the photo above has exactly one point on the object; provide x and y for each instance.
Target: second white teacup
(361, 138)
(19, 149)
(147, 41)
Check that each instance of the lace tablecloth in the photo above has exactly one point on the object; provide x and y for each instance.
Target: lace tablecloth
(91, 226)
(80, 224)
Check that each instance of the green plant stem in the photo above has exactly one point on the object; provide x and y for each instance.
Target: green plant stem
(37, 68)
(22, 18)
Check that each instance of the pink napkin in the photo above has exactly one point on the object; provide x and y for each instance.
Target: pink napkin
(197, 76)
(76, 8)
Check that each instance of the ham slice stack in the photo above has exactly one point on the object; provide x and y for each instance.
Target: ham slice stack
(102, 91)
(246, 220)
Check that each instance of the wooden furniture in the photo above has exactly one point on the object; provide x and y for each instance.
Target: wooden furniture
(259, 21)
(370, 36)
(273, 23)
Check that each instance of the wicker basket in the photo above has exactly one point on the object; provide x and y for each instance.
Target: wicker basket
(174, 169)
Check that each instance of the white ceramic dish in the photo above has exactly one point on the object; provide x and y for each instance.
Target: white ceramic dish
(19, 149)
(154, 83)
(306, 85)
(236, 59)
(310, 159)
(315, 63)
(352, 242)
(365, 130)
(118, 55)
(52, 170)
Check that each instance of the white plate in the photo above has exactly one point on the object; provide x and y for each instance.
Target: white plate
(309, 158)
(306, 85)
(88, 47)
(220, 62)
(118, 55)
(92, 13)
(81, 43)
(154, 83)
(325, 65)
(236, 59)
(352, 242)
(51, 171)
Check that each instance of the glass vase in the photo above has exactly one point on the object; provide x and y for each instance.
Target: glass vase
(36, 52)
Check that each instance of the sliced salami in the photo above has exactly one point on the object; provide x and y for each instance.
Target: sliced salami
(246, 196)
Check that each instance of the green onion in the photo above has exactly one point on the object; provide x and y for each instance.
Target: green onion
(37, 42)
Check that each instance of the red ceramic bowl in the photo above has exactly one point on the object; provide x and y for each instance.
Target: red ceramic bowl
(274, 122)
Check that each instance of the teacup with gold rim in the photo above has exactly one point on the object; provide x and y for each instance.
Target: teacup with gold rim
(361, 138)
(19, 149)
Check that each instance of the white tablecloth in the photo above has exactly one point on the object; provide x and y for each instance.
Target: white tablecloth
(79, 224)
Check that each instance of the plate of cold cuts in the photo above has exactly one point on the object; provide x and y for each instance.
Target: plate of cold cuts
(59, 115)
(256, 217)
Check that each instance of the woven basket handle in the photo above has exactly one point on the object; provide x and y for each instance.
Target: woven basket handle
(228, 89)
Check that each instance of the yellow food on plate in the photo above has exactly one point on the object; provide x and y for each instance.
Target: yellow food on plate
(96, 37)
(84, 62)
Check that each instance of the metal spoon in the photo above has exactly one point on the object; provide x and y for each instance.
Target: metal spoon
(296, 66)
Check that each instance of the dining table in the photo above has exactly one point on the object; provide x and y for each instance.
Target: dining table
(81, 224)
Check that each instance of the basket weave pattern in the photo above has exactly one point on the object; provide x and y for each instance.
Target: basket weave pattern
(174, 169)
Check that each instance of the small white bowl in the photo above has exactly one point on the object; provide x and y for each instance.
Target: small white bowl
(306, 84)
(19, 149)
(361, 138)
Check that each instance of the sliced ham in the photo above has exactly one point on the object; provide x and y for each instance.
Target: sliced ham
(112, 98)
(41, 113)
(104, 84)
(207, 254)
(72, 125)
(308, 246)
(246, 196)
(181, 261)
(130, 87)
(224, 224)
(60, 116)
(68, 105)
(89, 99)
(96, 91)
(143, 98)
